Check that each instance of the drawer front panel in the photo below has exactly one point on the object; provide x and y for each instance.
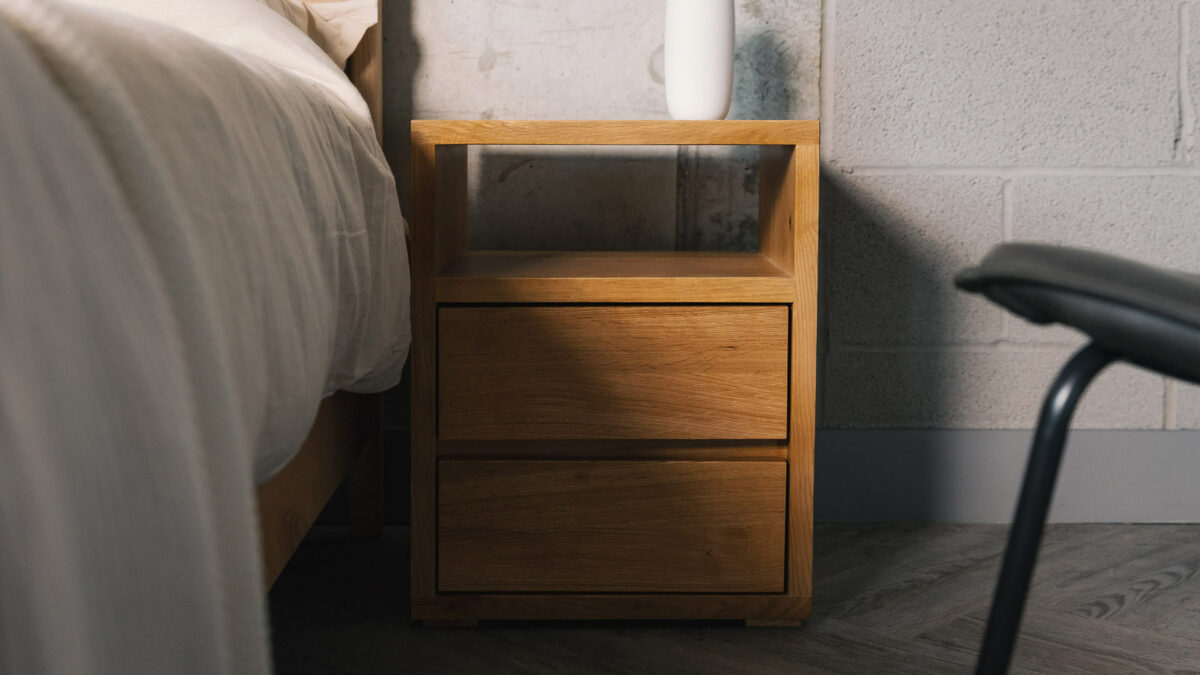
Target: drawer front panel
(613, 371)
(611, 526)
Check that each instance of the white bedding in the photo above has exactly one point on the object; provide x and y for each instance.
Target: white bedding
(195, 247)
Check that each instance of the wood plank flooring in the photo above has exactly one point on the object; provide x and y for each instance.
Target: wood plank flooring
(887, 599)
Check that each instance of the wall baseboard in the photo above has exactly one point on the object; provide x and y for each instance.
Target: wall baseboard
(973, 476)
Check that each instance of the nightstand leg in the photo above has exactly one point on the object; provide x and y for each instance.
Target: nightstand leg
(774, 623)
(449, 623)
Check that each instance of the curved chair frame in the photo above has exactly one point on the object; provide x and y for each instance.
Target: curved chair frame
(1133, 312)
(1025, 537)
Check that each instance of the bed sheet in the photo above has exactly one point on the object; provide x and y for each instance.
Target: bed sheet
(195, 248)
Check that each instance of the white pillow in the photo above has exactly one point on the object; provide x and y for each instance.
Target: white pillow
(252, 27)
(337, 26)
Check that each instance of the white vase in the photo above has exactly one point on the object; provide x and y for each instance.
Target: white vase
(698, 46)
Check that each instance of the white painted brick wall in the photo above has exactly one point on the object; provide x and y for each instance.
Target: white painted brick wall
(951, 125)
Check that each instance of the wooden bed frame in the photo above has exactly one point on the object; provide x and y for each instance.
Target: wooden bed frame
(345, 427)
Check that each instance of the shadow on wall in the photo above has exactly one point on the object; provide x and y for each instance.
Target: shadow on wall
(717, 193)
(690, 198)
(762, 69)
(572, 198)
(401, 57)
(877, 275)
(617, 198)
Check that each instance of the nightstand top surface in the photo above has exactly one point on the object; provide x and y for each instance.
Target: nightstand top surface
(613, 276)
(616, 132)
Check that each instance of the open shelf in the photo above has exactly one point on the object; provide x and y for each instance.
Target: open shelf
(613, 276)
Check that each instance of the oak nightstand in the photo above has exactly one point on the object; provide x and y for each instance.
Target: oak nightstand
(616, 435)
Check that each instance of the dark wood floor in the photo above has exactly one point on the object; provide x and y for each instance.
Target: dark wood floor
(888, 599)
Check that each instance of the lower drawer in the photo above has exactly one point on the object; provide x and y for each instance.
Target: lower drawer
(611, 526)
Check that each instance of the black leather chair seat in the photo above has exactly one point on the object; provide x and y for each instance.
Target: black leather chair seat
(1148, 315)
(1132, 312)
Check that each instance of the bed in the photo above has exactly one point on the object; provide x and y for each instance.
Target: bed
(202, 269)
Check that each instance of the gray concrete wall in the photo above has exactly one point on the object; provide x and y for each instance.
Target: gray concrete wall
(582, 59)
(951, 125)
(947, 126)
(973, 476)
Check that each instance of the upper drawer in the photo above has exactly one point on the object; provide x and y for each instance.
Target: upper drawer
(613, 371)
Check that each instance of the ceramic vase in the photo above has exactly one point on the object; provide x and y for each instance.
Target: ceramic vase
(698, 51)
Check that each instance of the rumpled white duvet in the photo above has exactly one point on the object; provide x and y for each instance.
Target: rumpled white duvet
(195, 248)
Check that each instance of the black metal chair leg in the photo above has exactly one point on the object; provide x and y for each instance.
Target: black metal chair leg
(1026, 534)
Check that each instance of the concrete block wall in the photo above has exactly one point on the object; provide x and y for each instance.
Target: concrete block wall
(947, 126)
(581, 59)
(951, 125)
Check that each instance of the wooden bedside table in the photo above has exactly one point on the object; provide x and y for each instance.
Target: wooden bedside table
(617, 435)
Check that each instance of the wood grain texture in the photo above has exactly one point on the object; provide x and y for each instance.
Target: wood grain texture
(613, 606)
(613, 371)
(289, 503)
(339, 607)
(611, 526)
(632, 132)
(805, 161)
(423, 356)
(777, 193)
(607, 449)
(439, 176)
(1051, 637)
(621, 276)
(665, 381)
(450, 205)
